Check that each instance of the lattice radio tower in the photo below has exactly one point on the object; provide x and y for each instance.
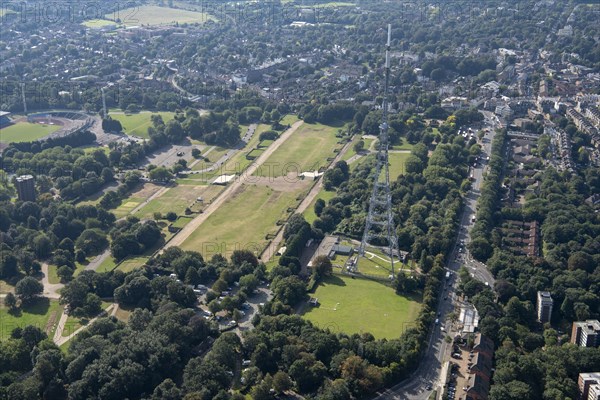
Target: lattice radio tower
(380, 230)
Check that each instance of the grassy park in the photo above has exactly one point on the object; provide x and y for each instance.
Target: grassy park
(74, 323)
(97, 23)
(37, 314)
(155, 15)
(235, 164)
(361, 305)
(177, 199)
(26, 132)
(306, 150)
(137, 124)
(309, 213)
(397, 162)
(243, 221)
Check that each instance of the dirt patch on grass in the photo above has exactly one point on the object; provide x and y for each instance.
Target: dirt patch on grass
(145, 191)
(289, 183)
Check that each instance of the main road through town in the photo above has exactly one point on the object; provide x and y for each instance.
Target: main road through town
(427, 377)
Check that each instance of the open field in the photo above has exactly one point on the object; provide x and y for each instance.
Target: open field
(26, 132)
(289, 119)
(97, 23)
(242, 222)
(123, 314)
(351, 153)
(235, 164)
(127, 206)
(182, 221)
(137, 124)
(397, 161)
(107, 265)
(331, 4)
(135, 199)
(74, 323)
(177, 199)
(155, 15)
(306, 150)
(36, 314)
(309, 213)
(403, 146)
(126, 265)
(361, 305)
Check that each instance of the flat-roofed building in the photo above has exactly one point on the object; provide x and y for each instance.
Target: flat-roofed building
(586, 381)
(544, 306)
(586, 333)
(25, 187)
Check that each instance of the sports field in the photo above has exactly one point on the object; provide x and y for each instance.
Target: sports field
(26, 132)
(36, 314)
(97, 23)
(361, 305)
(242, 222)
(137, 124)
(306, 150)
(155, 15)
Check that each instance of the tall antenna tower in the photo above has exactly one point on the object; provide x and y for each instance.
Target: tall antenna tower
(380, 230)
(23, 97)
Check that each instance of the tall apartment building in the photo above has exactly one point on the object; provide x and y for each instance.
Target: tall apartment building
(589, 385)
(544, 306)
(594, 392)
(586, 333)
(25, 188)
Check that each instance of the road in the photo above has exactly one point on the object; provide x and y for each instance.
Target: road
(50, 289)
(183, 234)
(428, 374)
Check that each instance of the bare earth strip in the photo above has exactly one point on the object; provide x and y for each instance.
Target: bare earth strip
(274, 246)
(180, 237)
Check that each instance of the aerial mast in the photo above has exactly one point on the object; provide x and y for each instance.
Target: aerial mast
(380, 229)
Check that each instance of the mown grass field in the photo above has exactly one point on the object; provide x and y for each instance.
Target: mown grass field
(331, 4)
(177, 199)
(155, 15)
(128, 205)
(306, 150)
(309, 213)
(74, 323)
(361, 305)
(289, 119)
(98, 23)
(137, 124)
(242, 222)
(236, 164)
(397, 162)
(36, 314)
(25, 132)
(53, 275)
(351, 152)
